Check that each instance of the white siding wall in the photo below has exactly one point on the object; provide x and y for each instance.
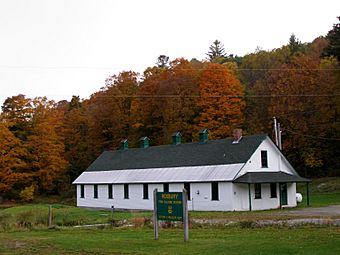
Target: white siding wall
(200, 199)
(265, 202)
(275, 161)
(291, 188)
(241, 197)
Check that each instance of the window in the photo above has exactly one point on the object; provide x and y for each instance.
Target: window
(82, 191)
(264, 159)
(257, 190)
(110, 191)
(273, 190)
(187, 187)
(165, 187)
(214, 191)
(95, 191)
(145, 191)
(126, 191)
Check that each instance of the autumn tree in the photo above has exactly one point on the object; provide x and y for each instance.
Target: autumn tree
(35, 124)
(179, 108)
(17, 112)
(148, 119)
(78, 151)
(302, 94)
(109, 112)
(167, 101)
(221, 101)
(46, 147)
(12, 164)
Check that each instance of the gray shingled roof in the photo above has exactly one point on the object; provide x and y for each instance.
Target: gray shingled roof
(269, 177)
(213, 152)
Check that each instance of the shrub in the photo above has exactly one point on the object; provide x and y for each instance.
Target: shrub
(27, 194)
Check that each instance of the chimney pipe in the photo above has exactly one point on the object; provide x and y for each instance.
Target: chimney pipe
(237, 134)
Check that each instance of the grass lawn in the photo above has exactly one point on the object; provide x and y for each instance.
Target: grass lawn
(63, 215)
(231, 240)
(323, 192)
(23, 231)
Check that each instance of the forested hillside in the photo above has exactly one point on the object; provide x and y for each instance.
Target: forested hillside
(45, 145)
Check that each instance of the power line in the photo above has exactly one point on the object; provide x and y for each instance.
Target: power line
(312, 136)
(57, 67)
(180, 69)
(220, 96)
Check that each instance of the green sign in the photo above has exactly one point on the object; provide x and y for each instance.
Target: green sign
(169, 206)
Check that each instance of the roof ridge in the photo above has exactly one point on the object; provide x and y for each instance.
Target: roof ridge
(195, 142)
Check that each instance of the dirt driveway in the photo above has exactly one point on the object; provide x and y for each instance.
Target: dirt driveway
(328, 211)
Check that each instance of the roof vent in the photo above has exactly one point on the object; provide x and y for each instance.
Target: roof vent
(124, 144)
(203, 135)
(144, 142)
(237, 134)
(176, 138)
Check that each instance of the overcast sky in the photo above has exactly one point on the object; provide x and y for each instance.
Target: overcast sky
(60, 48)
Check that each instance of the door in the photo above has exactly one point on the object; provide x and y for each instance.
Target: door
(284, 194)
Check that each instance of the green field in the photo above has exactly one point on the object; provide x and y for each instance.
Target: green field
(231, 240)
(23, 230)
(323, 192)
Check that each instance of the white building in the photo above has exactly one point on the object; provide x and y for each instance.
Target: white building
(244, 173)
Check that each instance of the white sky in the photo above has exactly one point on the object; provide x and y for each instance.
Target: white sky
(60, 48)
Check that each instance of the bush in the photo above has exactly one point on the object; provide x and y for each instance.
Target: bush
(27, 194)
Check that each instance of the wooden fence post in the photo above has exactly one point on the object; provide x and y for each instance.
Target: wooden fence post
(155, 220)
(185, 215)
(50, 216)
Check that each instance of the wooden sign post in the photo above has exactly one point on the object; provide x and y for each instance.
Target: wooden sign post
(171, 206)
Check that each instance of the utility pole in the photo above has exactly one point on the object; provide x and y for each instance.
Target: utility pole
(275, 132)
(278, 133)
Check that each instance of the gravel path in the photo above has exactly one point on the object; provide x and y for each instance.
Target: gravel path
(314, 215)
(333, 210)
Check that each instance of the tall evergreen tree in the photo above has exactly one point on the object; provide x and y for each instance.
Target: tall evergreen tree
(294, 44)
(333, 36)
(162, 61)
(216, 53)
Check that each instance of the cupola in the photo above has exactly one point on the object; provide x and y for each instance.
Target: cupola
(144, 142)
(176, 138)
(203, 135)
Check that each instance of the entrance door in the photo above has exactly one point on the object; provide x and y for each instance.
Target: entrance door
(284, 194)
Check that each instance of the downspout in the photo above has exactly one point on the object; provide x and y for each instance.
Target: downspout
(249, 192)
(307, 189)
(280, 194)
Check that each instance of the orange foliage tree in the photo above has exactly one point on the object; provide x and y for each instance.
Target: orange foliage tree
(109, 112)
(221, 101)
(12, 164)
(46, 146)
(36, 144)
(167, 101)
